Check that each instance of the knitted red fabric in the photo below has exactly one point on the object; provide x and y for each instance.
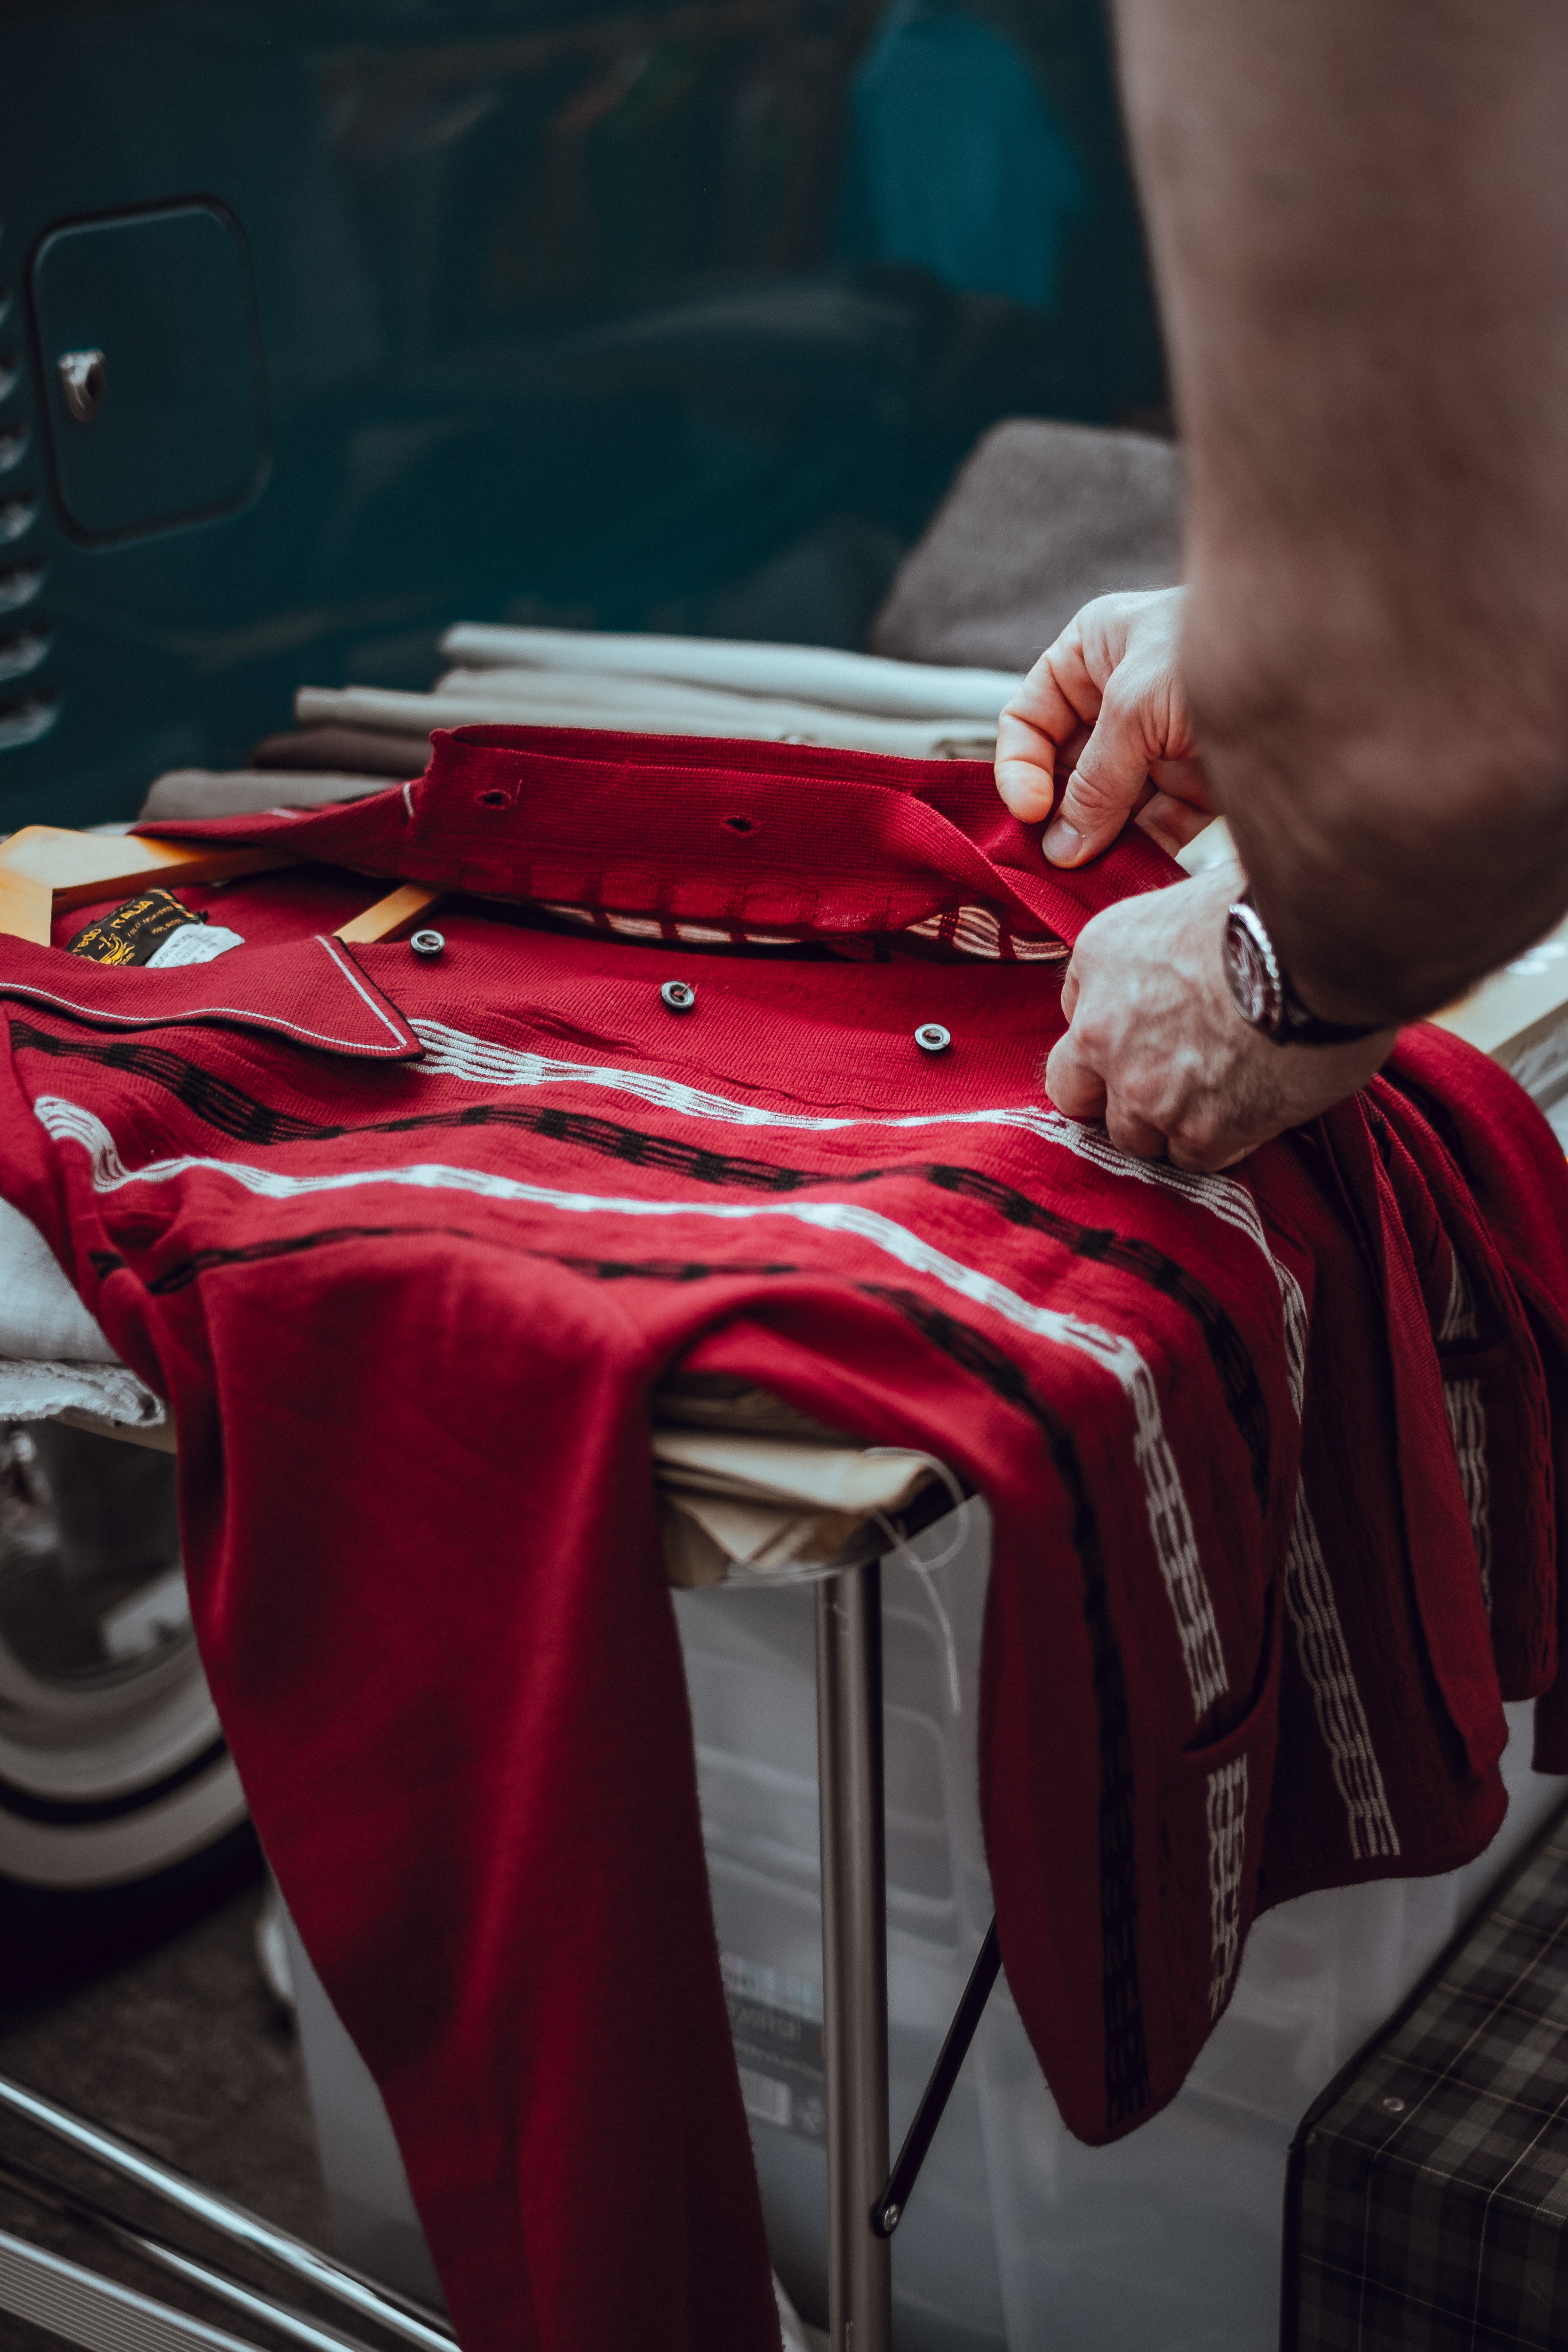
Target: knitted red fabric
(1270, 1455)
(745, 837)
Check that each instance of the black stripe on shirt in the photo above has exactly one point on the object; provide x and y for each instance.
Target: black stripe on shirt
(1126, 2044)
(1227, 1351)
(221, 1104)
(186, 1270)
(246, 1119)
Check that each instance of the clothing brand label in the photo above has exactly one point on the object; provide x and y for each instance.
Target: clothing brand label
(776, 2023)
(136, 929)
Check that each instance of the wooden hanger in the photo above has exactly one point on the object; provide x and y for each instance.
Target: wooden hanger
(45, 869)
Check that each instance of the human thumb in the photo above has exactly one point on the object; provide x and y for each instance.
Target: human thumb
(1103, 790)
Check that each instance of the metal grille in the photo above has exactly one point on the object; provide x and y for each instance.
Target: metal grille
(27, 709)
(94, 2312)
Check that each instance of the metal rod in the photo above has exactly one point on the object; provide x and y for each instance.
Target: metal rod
(854, 1953)
(72, 2205)
(385, 2306)
(888, 2208)
(247, 2299)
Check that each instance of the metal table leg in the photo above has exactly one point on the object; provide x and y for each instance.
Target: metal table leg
(854, 1953)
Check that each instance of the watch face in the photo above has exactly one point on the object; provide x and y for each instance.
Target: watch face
(1251, 970)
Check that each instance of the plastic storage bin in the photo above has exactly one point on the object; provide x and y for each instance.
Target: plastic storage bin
(1016, 2234)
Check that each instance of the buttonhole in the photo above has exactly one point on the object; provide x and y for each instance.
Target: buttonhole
(492, 799)
(740, 824)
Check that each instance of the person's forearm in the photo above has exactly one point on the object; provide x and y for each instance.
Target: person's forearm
(1361, 239)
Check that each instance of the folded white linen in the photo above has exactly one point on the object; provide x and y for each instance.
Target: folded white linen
(41, 1314)
(604, 698)
(816, 674)
(649, 706)
(37, 1390)
(53, 1355)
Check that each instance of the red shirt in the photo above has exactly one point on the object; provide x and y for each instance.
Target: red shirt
(1270, 1455)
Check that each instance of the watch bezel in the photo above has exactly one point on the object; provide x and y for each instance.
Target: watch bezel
(1252, 971)
(1261, 992)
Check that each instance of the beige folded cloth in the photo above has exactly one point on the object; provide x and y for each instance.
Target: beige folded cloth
(241, 792)
(766, 1507)
(640, 707)
(157, 1435)
(752, 1491)
(820, 675)
(1041, 518)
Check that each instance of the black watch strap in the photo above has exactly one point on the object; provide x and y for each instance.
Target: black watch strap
(1262, 988)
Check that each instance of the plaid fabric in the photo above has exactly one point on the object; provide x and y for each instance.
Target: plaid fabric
(1430, 2183)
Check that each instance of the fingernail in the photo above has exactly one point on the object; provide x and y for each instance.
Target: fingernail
(1062, 842)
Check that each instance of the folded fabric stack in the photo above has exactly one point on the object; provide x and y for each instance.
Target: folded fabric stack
(348, 741)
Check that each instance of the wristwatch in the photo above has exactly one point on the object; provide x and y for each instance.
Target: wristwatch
(1261, 987)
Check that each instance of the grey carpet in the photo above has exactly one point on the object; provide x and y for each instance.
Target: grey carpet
(184, 2052)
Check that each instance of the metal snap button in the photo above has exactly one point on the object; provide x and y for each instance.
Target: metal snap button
(427, 945)
(677, 995)
(932, 1038)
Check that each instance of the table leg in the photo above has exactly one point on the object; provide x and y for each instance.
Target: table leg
(854, 1953)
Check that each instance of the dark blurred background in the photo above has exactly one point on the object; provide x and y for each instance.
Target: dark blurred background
(653, 318)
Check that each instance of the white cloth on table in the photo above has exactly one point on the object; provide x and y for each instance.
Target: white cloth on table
(822, 674)
(638, 706)
(53, 1355)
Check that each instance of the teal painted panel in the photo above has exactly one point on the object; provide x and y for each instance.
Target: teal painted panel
(180, 429)
(557, 326)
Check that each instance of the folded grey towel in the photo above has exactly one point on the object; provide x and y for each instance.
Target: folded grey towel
(1041, 518)
(345, 751)
(204, 791)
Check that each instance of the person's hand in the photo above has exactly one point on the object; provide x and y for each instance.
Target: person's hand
(1158, 1050)
(1102, 714)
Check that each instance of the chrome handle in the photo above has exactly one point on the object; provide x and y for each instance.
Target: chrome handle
(84, 381)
